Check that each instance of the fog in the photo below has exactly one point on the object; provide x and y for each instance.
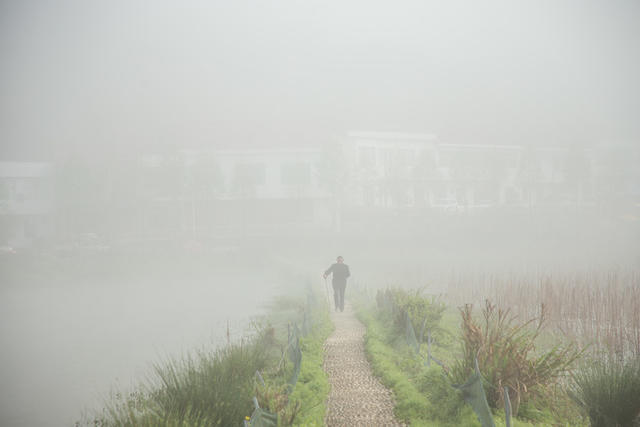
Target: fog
(166, 169)
(127, 74)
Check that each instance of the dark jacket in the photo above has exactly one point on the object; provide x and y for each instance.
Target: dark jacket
(340, 273)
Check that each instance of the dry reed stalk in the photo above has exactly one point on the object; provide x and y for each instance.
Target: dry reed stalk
(601, 309)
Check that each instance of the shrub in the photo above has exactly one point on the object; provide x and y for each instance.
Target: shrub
(609, 392)
(448, 401)
(425, 311)
(506, 353)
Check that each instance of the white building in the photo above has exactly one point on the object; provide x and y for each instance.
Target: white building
(247, 190)
(26, 203)
(417, 170)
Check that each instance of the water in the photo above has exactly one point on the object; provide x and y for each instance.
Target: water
(68, 338)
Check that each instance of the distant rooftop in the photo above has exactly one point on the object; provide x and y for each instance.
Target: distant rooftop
(24, 169)
(393, 135)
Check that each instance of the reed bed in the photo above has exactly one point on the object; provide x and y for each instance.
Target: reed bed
(599, 310)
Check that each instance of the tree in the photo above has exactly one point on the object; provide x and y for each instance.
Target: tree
(333, 175)
(423, 175)
(577, 171)
(529, 175)
(81, 192)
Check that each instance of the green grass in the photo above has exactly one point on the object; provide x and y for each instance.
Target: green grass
(413, 384)
(312, 387)
(201, 389)
(609, 392)
(215, 388)
(424, 396)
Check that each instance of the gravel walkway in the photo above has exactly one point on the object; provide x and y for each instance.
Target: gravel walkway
(356, 398)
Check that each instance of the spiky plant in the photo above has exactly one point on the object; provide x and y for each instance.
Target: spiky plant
(609, 392)
(507, 355)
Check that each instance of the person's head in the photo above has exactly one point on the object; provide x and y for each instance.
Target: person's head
(340, 260)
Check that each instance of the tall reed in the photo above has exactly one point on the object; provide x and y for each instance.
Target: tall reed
(507, 355)
(598, 309)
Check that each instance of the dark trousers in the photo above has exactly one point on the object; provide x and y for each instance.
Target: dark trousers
(338, 295)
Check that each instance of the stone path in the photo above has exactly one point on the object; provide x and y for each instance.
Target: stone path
(356, 398)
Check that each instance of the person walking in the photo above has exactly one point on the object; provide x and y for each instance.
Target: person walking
(340, 272)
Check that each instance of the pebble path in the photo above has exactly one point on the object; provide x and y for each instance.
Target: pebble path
(356, 398)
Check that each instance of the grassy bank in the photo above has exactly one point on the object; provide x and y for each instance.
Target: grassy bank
(424, 393)
(312, 388)
(216, 387)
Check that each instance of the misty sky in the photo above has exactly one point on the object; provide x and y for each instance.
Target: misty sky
(145, 74)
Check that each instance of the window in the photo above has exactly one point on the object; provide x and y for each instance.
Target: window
(367, 157)
(26, 189)
(5, 189)
(29, 225)
(248, 176)
(296, 174)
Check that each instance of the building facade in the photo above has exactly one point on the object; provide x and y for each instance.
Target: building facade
(248, 191)
(396, 170)
(26, 203)
(258, 191)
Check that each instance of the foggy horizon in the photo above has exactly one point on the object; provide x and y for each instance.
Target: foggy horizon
(86, 76)
(167, 168)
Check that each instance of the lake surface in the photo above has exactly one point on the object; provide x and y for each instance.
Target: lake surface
(69, 337)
